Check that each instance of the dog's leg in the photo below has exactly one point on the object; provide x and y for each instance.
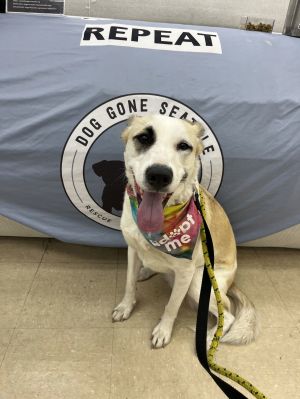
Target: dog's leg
(145, 273)
(228, 316)
(224, 279)
(124, 309)
(161, 334)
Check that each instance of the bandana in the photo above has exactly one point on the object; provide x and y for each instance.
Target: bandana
(180, 228)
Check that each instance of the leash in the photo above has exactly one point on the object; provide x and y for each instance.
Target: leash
(207, 360)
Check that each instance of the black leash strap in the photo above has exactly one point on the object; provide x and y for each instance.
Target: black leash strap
(202, 319)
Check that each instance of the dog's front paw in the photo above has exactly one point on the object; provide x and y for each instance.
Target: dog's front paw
(161, 334)
(122, 311)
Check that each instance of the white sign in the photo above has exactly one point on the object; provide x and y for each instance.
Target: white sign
(149, 37)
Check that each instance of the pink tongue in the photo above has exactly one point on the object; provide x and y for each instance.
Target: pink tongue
(150, 213)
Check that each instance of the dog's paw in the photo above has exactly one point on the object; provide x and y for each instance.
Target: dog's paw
(145, 273)
(161, 335)
(122, 311)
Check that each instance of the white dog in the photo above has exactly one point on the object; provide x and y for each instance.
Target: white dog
(162, 166)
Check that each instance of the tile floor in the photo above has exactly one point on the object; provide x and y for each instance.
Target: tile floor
(57, 340)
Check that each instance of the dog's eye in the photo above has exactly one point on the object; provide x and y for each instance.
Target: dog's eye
(183, 146)
(144, 138)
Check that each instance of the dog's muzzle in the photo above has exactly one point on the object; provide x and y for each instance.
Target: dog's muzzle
(158, 176)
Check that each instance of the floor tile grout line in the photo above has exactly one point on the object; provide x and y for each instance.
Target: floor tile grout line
(111, 362)
(118, 257)
(117, 270)
(32, 281)
(5, 352)
(280, 298)
(24, 302)
(113, 326)
(83, 258)
(8, 260)
(267, 271)
(259, 258)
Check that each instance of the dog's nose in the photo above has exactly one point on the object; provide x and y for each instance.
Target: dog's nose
(159, 176)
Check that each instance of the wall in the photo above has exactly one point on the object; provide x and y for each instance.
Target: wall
(199, 12)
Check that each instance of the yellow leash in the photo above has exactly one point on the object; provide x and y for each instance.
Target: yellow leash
(219, 331)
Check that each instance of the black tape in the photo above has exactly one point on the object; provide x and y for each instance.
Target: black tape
(2, 6)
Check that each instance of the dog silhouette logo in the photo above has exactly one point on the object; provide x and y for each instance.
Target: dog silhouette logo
(112, 173)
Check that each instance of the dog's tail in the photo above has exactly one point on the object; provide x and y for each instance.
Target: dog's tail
(245, 327)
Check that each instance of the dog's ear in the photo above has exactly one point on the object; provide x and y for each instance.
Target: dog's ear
(197, 129)
(99, 167)
(130, 122)
(125, 133)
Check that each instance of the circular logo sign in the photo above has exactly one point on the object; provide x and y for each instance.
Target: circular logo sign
(89, 154)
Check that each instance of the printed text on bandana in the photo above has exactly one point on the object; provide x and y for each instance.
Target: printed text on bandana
(169, 240)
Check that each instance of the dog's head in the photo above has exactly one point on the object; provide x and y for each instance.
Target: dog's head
(162, 152)
(161, 157)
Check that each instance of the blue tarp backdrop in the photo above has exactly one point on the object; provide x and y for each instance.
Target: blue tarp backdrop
(68, 85)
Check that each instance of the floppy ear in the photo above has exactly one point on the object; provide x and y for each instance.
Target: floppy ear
(130, 122)
(126, 132)
(198, 130)
(99, 167)
(196, 127)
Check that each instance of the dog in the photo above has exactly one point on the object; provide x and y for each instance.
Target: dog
(162, 161)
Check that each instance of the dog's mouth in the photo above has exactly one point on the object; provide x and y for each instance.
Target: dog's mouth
(150, 216)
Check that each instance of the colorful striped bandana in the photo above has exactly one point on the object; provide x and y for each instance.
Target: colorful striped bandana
(180, 230)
